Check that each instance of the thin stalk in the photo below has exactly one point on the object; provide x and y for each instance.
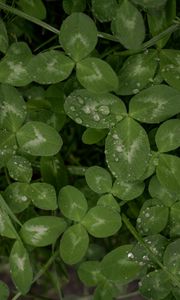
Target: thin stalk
(41, 271)
(32, 19)
(138, 237)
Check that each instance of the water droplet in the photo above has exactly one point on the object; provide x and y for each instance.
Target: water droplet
(138, 84)
(78, 120)
(104, 109)
(96, 117)
(72, 108)
(130, 255)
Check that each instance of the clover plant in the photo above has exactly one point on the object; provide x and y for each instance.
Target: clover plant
(89, 148)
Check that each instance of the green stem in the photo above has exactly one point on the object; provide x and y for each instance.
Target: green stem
(76, 170)
(32, 19)
(142, 242)
(128, 295)
(41, 271)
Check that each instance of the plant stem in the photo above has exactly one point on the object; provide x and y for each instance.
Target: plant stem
(41, 271)
(32, 19)
(143, 243)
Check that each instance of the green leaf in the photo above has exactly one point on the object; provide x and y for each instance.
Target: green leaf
(137, 71)
(127, 150)
(156, 243)
(168, 135)
(16, 196)
(13, 67)
(126, 191)
(72, 203)
(155, 285)
(102, 221)
(160, 19)
(34, 8)
(96, 75)
(20, 266)
(19, 168)
(128, 25)
(171, 258)
(176, 293)
(74, 244)
(42, 231)
(154, 105)
(43, 195)
(98, 179)
(160, 192)
(71, 6)
(8, 146)
(153, 217)
(13, 108)
(50, 67)
(153, 161)
(94, 110)
(4, 291)
(175, 220)
(150, 3)
(93, 136)
(53, 171)
(4, 42)
(170, 67)
(109, 201)
(104, 10)
(37, 138)
(89, 272)
(6, 227)
(168, 172)
(78, 35)
(118, 266)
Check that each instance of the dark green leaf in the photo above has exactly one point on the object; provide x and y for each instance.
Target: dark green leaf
(89, 272)
(172, 258)
(170, 67)
(43, 195)
(98, 179)
(16, 196)
(34, 8)
(19, 168)
(104, 10)
(4, 42)
(4, 291)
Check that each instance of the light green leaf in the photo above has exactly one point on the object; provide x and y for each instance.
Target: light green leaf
(53, 171)
(43, 195)
(104, 10)
(89, 272)
(118, 265)
(128, 25)
(19, 168)
(4, 291)
(155, 285)
(127, 150)
(78, 35)
(8, 146)
(71, 6)
(50, 67)
(153, 217)
(168, 135)
(13, 67)
(74, 244)
(13, 108)
(72, 203)
(168, 172)
(170, 67)
(98, 179)
(93, 110)
(109, 201)
(37, 138)
(93, 136)
(150, 3)
(102, 221)
(126, 191)
(96, 75)
(4, 42)
(160, 192)
(20, 266)
(16, 196)
(160, 19)
(154, 105)
(175, 220)
(172, 258)
(34, 8)
(137, 71)
(42, 231)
